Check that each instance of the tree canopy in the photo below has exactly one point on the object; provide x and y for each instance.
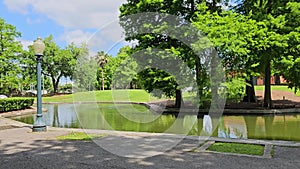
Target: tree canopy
(254, 38)
(10, 56)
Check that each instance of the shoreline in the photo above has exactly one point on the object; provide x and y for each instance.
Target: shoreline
(156, 108)
(29, 111)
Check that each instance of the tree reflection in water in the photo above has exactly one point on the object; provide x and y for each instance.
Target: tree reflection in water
(275, 127)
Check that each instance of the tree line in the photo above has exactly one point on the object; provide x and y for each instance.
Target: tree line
(18, 65)
(252, 38)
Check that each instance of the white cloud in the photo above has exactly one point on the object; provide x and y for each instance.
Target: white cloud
(113, 31)
(75, 36)
(17, 5)
(25, 44)
(75, 14)
(32, 21)
(77, 17)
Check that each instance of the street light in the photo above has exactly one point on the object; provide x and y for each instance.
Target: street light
(39, 47)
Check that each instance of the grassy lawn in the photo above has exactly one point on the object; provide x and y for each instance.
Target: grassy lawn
(104, 96)
(79, 136)
(279, 88)
(238, 148)
(130, 95)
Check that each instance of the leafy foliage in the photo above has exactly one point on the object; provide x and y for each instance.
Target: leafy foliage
(10, 56)
(84, 75)
(274, 37)
(289, 65)
(235, 88)
(11, 104)
(57, 62)
(158, 33)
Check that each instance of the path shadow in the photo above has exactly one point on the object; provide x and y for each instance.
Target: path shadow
(87, 154)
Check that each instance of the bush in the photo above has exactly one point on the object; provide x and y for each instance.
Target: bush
(235, 89)
(11, 104)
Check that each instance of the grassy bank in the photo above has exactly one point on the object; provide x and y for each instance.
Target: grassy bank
(129, 95)
(103, 96)
(278, 88)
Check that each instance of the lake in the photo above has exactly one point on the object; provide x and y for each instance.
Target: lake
(127, 117)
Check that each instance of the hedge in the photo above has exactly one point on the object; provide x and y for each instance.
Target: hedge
(11, 104)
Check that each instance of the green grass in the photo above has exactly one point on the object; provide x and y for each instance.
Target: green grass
(103, 96)
(238, 148)
(79, 136)
(278, 88)
(129, 95)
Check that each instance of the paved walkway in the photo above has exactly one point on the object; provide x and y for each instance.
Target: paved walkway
(281, 97)
(20, 148)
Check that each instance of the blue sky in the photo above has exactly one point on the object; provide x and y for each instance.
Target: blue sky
(94, 22)
(78, 21)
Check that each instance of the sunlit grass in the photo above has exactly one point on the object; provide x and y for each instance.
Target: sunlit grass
(104, 96)
(79, 136)
(238, 148)
(278, 88)
(131, 95)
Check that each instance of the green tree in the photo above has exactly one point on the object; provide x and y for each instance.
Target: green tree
(272, 40)
(232, 36)
(10, 56)
(85, 71)
(112, 68)
(289, 65)
(184, 9)
(102, 59)
(124, 70)
(57, 62)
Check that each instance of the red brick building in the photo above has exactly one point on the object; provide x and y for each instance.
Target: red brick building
(274, 80)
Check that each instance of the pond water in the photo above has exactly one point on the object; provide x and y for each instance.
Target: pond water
(139, 118)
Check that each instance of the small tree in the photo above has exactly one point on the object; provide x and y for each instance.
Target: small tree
(102, 59)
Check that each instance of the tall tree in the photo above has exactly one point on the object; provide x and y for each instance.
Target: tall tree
(57, 62)
(125, 69)
(289, 65)
(185, 10)
(102, 59)
(231, 34)
(272, 40)
(10, 56)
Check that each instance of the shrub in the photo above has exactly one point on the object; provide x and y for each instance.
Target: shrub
(235, 88)
(11, 104)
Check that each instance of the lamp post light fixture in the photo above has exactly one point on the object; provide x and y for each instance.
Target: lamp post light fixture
(39, 47)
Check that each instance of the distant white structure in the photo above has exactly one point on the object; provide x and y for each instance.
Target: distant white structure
(3, 97)
(35, 91)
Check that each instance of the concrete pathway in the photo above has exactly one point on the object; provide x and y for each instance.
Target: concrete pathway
(20, 148)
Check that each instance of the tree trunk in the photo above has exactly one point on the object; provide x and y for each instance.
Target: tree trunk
(267, 94)
(55, 84)
(277, 80)
(250, 92)
(178, 99)
(198, 79)
(102, 78)
(131, 85)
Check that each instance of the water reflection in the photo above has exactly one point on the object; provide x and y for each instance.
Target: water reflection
(279, 127)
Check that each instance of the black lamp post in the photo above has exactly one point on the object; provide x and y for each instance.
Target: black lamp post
(39, 47)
